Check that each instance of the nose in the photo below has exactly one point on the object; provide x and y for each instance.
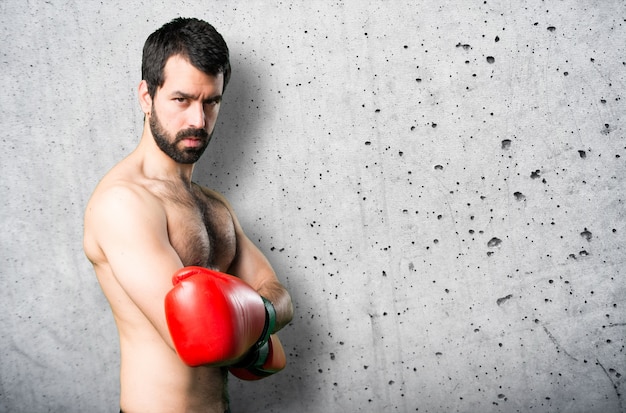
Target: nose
(197, 117)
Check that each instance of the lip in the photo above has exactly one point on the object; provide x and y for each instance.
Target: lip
(192, 142)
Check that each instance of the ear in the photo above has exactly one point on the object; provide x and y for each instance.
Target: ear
(145, 100)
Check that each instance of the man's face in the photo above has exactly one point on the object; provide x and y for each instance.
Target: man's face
(175, 147)
(188, 104)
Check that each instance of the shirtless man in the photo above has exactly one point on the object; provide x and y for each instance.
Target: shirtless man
(146, 220)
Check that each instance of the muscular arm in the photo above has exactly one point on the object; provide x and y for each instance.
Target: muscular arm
(130, 228)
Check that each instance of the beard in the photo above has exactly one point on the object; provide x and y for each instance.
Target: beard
(169, 145)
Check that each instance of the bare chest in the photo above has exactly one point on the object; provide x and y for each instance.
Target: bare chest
(200, 229)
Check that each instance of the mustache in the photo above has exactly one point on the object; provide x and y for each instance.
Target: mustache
(192, 133)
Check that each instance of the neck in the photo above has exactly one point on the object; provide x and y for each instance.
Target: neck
(157, 164)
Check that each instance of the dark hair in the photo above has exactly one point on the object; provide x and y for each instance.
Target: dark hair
(193, 39)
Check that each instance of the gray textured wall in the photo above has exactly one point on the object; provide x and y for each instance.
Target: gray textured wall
(441, 186)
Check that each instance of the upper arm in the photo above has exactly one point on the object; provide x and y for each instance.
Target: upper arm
(130, 227)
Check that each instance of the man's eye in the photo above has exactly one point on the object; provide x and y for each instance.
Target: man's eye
(180, 100)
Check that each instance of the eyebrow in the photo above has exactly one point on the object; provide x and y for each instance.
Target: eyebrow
(184, 95)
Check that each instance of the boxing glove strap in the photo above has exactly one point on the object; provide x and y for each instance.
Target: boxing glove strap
(270, 321)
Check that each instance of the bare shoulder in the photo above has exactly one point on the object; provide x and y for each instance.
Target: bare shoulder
(118, 206)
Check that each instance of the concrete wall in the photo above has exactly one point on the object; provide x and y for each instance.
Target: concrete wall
(440, 185)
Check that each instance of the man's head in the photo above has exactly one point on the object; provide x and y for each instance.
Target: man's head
(194, 40)
(185, 70)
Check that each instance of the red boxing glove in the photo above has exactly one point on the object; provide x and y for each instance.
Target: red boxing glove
(261, 362)
(213, 318)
